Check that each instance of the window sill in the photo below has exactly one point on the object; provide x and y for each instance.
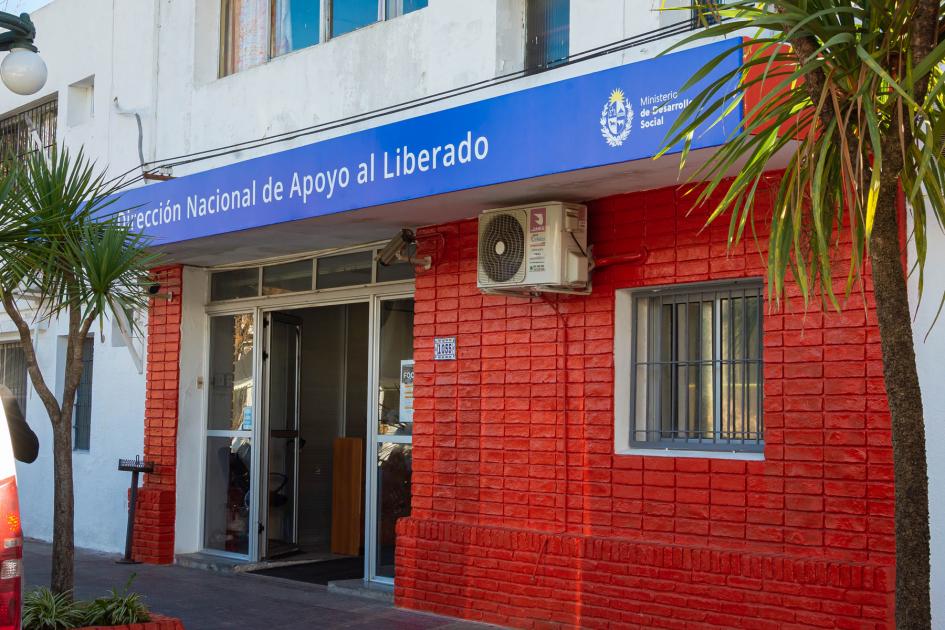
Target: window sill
(748, 456)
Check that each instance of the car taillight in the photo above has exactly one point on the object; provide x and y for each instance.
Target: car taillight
(10, 593)
(11, 531)
(11, 554)
(10, 569)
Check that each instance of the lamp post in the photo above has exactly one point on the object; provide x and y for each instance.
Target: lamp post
(22, 70)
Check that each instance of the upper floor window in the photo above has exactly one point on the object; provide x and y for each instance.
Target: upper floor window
(13, 371)
(350, 15)
(82, 414)
(548, 34)
(33, 129)
(254, 31)
(706, 13)
(695, 360)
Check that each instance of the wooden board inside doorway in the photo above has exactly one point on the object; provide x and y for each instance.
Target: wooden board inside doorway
(347, 496)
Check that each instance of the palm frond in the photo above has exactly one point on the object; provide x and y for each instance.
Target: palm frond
(837, 83)
(73, 252)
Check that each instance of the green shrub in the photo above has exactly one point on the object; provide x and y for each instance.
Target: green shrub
(116, 609)
(43, 610)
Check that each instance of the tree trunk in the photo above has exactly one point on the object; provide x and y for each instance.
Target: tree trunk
(63, 551)
(63, 569)
(60, 417)
(913, 608)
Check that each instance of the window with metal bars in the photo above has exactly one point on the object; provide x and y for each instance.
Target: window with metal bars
(547, 33)
(82, 415)
(706, 13)
(13, 371)
(696, 360)
(33, 129)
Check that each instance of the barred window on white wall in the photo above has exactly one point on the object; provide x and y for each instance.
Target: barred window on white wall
(13, 371)
(696, 367)
(32, 129)
(547, 34)
(82, 415)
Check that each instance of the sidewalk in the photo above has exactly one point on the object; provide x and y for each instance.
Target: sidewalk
(205, 600)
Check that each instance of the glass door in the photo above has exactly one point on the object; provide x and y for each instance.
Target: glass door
(281, 361)
(228, 487)
(390, 461)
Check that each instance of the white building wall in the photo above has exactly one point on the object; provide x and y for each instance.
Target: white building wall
(930, 348)
(117, 431)
(117, 386)
(159, 59)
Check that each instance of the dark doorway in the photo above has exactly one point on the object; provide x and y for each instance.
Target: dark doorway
(317, 380)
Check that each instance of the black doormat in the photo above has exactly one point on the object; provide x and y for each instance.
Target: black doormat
(321, 572)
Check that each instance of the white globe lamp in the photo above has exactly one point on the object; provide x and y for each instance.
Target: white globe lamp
(23, 71)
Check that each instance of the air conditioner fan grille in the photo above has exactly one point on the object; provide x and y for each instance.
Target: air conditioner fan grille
(502, 249)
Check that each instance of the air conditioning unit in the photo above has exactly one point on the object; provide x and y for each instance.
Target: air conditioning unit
(534, 248)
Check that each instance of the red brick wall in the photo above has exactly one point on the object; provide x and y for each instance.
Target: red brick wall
(154, 521)
(158, 622)
(522, 514)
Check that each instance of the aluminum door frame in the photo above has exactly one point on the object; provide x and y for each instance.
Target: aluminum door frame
(370, 459)
(259, 307)
(253, 547)
(262, 498)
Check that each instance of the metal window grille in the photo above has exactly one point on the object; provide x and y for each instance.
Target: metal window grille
(82, 415)
(697, 367)
(548, 34)
(31, 130)
(13, 371)
(704, 14)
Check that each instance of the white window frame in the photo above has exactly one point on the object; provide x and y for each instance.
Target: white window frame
(624, 412)
(325, 31)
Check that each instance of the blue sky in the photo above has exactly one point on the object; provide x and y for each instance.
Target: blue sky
(19, 6)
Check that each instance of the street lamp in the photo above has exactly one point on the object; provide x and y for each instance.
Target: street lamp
(22, 70)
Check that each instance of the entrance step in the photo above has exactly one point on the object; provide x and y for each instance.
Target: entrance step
(208, 562)
(360, 588)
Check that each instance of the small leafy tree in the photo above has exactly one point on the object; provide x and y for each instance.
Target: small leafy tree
(852, 91)
(69, 257)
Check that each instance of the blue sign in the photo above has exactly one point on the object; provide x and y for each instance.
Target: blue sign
(607, 117)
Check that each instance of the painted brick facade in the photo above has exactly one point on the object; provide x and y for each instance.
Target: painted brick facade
(158, 622)
(154, 520)
(522, 514)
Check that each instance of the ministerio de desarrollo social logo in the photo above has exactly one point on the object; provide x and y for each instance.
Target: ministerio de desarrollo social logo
(616, 119)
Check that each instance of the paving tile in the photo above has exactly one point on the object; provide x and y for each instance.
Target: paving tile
(207, 600)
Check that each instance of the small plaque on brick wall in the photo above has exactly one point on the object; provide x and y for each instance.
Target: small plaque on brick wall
(444, 348)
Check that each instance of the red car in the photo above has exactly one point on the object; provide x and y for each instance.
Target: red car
(17, 441)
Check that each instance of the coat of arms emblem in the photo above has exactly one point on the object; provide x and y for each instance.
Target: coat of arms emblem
(616, 119)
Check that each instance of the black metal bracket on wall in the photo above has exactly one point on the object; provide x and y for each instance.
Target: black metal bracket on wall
(21, 32)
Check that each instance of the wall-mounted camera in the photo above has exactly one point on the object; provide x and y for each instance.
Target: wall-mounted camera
(397, 250)
(154, 292)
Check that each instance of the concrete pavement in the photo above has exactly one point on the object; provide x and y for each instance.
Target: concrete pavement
(206, 600)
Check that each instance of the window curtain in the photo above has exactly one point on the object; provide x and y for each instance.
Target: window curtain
(282, 28)
(247, 34)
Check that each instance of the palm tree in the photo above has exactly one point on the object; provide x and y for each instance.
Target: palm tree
(67, 255)
(853, 93)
